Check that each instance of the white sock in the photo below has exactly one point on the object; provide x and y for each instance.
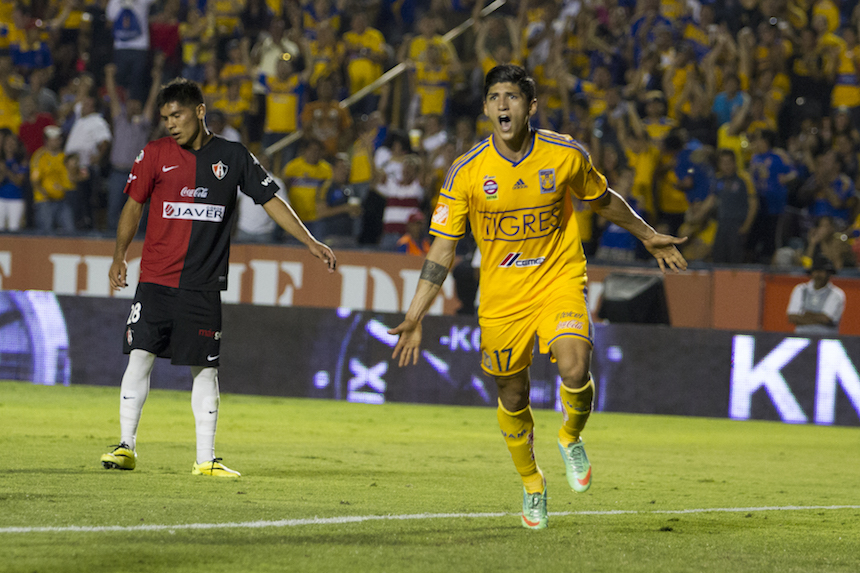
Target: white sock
(133, 392)
(204, 403)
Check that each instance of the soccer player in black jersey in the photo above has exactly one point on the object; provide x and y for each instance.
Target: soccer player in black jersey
(190, 180)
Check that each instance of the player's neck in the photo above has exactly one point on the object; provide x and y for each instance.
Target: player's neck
(516, 148)
(203, 137)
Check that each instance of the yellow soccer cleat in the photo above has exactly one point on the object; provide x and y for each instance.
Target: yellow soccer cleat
(121, 458)
(214, 468)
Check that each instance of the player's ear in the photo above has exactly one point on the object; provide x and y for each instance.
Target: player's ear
(533, 107)
(201, 111)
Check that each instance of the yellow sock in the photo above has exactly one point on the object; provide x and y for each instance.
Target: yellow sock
(518, 430)
(576, 407)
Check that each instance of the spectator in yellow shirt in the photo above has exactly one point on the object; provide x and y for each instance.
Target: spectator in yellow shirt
(307, 177)
(365, 49)
(431, 84)
(326, 54)
(53, 175)
(198, 43)
(285, 94)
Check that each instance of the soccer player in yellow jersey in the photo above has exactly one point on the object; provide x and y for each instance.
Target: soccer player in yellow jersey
(516, 189)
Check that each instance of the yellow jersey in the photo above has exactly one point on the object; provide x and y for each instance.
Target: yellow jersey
(305, 182)
(324, 59)
(522, 218)
(417, 51)
(48, 171)
(432, 84)
(283, 104)
(361, 69)
(361, 163)
(846, 92)
(234, 110)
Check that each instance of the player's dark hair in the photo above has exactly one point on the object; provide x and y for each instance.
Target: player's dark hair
(509, 73)
(182, 91)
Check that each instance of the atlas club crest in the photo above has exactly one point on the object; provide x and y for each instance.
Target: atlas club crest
(220, 170)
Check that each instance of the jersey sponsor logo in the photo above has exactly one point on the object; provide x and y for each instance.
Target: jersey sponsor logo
(139, 157)
(440, 214)
(209, 333)
(268, 180)
(569, 324)
(547, 180)
(520, 184)
(571, 314)
(491, 189)
(129, 335)
(202, 192)
(166, 168)
(521, 224)
(131, 177)
(220, 170)
(193, 211)
(514, 260)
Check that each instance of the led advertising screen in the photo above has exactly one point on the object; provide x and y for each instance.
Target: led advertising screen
(346, 355)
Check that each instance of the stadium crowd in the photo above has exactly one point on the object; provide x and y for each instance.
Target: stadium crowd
(733, 122)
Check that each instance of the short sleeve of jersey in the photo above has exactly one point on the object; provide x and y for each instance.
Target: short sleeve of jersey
(586, 182)
(257, 183)
(795, 302)
(141, 180)
(452, 210)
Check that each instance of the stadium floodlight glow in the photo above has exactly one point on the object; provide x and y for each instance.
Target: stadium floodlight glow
(747, 378)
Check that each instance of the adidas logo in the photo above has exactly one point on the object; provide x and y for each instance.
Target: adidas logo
(520, 184)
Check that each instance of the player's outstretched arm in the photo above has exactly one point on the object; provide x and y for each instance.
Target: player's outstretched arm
(129, 219)
(436, 265)
(287, 219)
(663, 247)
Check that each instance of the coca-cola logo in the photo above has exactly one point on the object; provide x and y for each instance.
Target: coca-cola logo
(197, 192)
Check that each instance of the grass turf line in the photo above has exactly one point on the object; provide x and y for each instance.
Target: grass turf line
(304, 459)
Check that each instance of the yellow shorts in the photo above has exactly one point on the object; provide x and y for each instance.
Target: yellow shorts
(507, 344)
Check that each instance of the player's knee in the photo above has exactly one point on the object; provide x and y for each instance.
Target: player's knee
(574, 375)
(513, 391)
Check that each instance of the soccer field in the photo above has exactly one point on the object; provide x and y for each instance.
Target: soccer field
(335, 486)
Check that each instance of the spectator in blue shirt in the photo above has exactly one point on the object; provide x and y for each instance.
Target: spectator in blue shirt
(772, 170)
(729, 100)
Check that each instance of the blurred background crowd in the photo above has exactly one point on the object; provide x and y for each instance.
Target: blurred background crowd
(733, 122)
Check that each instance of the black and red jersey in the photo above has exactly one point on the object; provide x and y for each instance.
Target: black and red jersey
(192, 205)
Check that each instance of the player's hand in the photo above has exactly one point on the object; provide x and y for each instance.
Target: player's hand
(324, 253)
(409, 342)
(117, 275)
(663, 248)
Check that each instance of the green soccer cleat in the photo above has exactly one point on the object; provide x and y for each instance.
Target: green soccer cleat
(214, 468)
(534, 509)
(121, 458)
(577, 466)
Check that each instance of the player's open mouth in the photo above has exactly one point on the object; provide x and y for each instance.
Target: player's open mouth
(505, 122)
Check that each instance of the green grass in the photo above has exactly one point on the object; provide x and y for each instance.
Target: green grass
(303, 459)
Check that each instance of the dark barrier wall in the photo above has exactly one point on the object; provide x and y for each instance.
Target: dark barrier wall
(346, 355)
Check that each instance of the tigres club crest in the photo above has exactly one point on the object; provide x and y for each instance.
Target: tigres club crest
(219, 169)
(547, 180)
